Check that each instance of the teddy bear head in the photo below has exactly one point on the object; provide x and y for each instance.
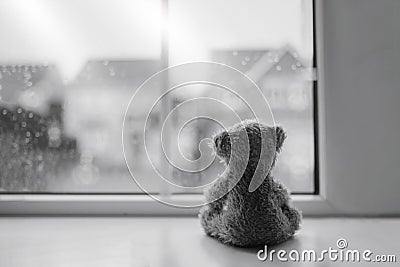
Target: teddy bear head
(251, 147)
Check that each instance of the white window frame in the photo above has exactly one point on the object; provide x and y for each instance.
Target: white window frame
(142, 204)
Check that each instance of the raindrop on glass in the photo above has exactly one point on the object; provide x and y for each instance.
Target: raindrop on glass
(278, 68)
(235, 53)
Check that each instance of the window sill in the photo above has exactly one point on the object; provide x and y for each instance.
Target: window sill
(31, 204)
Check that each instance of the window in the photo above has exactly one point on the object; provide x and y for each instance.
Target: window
(69, 68)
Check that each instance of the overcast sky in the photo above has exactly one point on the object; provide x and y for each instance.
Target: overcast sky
(70, 32)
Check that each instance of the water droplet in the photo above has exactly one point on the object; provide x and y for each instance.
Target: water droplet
(4, 111)
(19, 110)
(247, 58)
(23, 124)
(298, 64)
(29, 84)
(244, 63)
(30, 115)
(37, 134)
(235, 53)
(27, 140)
(276, 59)
(278, 68)
(105, 62)
(28, 134)
(294, 67)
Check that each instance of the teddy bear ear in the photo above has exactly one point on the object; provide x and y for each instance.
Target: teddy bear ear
(280, 137)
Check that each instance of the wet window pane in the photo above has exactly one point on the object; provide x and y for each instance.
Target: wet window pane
(271, 41)
(68, 69)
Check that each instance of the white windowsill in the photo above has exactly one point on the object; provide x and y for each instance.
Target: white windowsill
(126, 205)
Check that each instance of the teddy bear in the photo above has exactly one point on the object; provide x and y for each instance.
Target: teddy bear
(246, 206)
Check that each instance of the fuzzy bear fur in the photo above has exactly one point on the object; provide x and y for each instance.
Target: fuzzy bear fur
(235, 215)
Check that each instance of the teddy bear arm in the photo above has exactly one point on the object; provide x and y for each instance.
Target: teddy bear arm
(281, 194)
(293, 216)
(217, 194)
(283, 201)
(216, 197)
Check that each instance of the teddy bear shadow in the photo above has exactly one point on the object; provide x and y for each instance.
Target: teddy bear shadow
(228, 255)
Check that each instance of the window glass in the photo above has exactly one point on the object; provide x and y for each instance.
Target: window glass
(68, 69)
(271, 41)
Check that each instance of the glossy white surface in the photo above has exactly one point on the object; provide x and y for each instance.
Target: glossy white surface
(171, 242)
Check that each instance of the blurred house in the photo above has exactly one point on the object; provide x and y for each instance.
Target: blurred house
(91, 110)
(287, 83)
(39, 111)
(281, 75)
(95, 106)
